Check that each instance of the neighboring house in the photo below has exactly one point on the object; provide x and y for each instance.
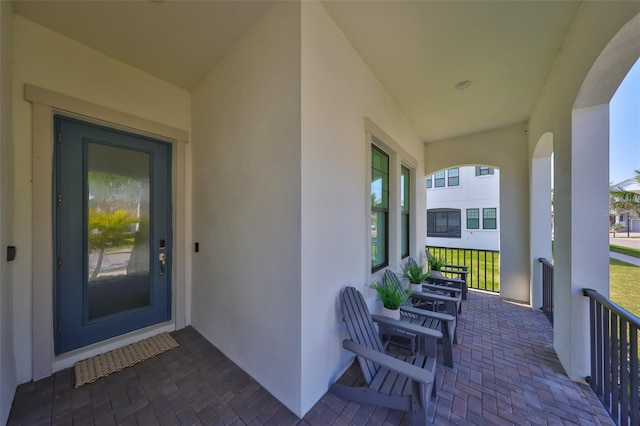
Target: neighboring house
(463, 208)
(628, 220)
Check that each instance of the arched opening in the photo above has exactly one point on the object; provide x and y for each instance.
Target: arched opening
(590, 155)
(624, 211)
(463, 221)
(583, 246)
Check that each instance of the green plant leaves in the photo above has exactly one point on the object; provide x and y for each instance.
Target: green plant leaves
(414, 274)
(392, 296)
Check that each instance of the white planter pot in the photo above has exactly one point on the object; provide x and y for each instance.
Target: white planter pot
(391, 313)
(415, 287)
(436, 274)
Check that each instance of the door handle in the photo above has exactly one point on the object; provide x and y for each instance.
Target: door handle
(162, 257)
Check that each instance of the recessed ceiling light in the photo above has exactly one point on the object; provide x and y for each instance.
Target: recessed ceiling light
(463, 85)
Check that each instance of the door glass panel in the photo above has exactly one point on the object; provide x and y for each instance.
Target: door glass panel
(118, 237)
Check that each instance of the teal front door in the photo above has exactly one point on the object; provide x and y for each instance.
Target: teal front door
(113, 245)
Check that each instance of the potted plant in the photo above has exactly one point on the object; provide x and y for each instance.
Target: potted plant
(416, 277)
(392, 297)
(435, 265)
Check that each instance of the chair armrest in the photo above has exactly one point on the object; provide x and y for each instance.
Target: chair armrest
(460, 273)
(421, 295)
(457, 268)
(413, 372)
(406, 327)
(444, 288)
(445, 280)
(427, 313)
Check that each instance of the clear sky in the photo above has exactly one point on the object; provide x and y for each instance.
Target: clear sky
(624, 128)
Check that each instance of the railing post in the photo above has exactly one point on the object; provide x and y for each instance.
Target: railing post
(480, 264)
(547, 288)
(614, 358)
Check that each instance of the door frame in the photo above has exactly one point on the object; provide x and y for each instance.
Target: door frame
(45, 104)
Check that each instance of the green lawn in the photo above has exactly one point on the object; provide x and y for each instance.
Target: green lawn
(480, 277)
(624, 280)
(625, 250)
(624, 283)
(624, 277)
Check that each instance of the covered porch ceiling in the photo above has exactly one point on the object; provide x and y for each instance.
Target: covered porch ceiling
(420, 50)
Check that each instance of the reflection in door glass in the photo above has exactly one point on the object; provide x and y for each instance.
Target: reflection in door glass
(118, 230)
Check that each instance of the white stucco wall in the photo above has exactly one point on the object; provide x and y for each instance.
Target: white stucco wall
(541, 211)
(7, 356)
(51, 61)
(246, 204)
(473, 192)
(506, 149)
(338, 92)
(553, 113)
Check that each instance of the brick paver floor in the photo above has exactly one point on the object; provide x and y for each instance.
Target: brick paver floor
(506, 373)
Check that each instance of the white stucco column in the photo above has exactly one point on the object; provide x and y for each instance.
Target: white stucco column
(540, 223)
(589, 265)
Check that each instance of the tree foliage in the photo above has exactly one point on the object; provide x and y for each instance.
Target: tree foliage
(626, 201)
(108, 229)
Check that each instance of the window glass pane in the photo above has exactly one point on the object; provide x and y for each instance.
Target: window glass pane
(378, 239)
(375, 160)
(489, 218)
(473, 219)
(379, 207)
(379, 178)
(489, 213)
(443, 223)
(453, 224)
(439, 179)
(376, 192)
(429, 180)
(405, 175)
(384, 165)
(482, 170)
(431, 223)
(454, 177)
(404, 244)
(117, 230)
(404, 186)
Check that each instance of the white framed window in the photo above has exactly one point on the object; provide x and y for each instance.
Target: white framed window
(489, 218)
(453, 177)
(379, 209)
(473, 218)
(405, 211)
(391, 193)
(484, 171)
(443, 223)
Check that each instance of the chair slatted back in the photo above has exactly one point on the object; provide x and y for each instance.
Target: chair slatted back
(360, 328)
(393, 279)
(412, 262)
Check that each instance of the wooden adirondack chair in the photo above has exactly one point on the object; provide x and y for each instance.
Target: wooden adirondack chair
(460, 276)
(446, 323)
(403, 383)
